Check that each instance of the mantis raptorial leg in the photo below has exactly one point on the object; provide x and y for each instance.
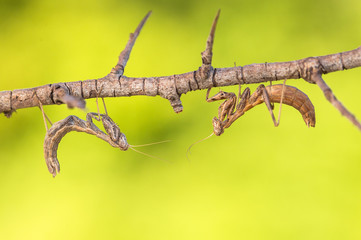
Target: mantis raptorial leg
(227, 107)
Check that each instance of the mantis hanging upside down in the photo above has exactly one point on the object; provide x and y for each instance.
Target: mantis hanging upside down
(112, 135)
(232, 108)
(72, 123)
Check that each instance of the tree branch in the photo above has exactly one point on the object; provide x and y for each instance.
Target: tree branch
(115, 84)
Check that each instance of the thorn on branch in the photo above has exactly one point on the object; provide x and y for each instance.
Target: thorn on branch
(176, 104)
(9, 113)
(118, 70)
(207, 54)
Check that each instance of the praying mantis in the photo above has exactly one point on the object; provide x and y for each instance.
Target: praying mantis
(112, 135)
(233, 108)
(72, 123)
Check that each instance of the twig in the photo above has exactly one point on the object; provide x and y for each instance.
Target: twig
(317, 78)
(118, 70)
(206, 69)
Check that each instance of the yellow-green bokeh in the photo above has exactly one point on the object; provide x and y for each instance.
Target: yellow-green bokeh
(253, 182)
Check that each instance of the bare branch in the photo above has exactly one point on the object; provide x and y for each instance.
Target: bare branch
(175, 85)
(172, 87)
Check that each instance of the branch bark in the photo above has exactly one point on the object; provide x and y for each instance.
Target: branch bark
(115, 84)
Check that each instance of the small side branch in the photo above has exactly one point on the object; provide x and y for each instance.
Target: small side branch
(317, 78)
(206, 68)
(118, 70)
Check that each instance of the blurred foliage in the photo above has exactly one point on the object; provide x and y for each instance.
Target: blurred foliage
(253, 182)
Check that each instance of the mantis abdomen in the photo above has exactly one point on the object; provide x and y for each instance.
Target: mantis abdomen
(292, 97)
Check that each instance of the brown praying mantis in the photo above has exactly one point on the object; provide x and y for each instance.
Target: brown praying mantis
(58, 130)
(72, 123)
(233, 108)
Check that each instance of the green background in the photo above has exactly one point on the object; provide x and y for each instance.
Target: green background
(254, 182)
